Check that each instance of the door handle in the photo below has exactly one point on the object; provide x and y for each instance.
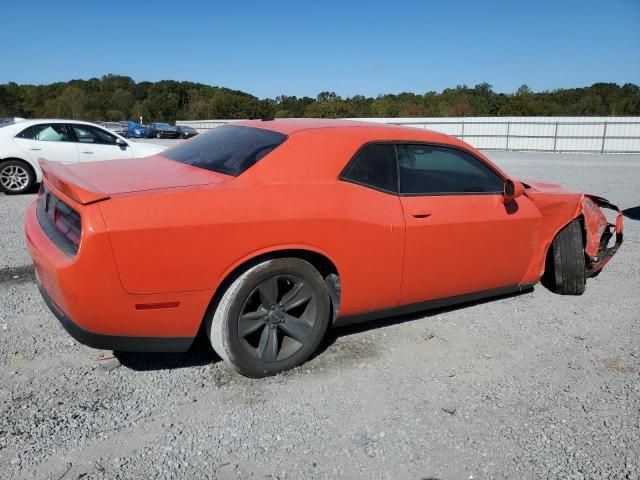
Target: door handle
(421, 213)
(35, 148)
(87, 151)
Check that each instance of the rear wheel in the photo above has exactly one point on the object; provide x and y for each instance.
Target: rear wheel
(271, 318)
(567, 261)
(16, 176)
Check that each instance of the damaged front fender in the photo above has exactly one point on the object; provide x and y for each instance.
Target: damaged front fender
(598, 232)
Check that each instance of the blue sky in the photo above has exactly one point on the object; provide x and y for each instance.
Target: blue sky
(269, 48)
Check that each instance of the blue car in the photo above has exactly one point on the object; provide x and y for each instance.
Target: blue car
(136, 130)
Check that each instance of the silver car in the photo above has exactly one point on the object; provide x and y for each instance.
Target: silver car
(114, 127)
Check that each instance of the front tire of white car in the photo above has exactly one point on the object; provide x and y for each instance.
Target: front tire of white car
(16, 176)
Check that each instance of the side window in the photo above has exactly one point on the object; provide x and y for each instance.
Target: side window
(430, 170)
(48, 132)
(374, 166)
(27, 133)
(90, 134)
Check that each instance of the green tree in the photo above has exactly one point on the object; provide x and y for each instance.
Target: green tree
(116, 97)
(71, 103)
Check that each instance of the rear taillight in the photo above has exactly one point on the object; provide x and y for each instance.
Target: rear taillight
(67, 222)
(60, 222)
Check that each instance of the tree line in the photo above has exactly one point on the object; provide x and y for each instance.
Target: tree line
(116, 97)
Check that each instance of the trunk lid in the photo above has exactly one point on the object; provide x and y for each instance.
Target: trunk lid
(95, 181)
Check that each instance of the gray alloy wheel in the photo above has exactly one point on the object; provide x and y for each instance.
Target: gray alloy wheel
(15, 177)
(158, 135)
(268, 312)
(271, 318)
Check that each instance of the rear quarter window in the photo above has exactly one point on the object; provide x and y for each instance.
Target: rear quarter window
(375, 167)
(229, 149)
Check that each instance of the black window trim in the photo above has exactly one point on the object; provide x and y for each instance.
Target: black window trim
(397, 193)
(72, 134)
(72, 131)
(113, 134)
(342, 176)
(77, 140)
(284, 136)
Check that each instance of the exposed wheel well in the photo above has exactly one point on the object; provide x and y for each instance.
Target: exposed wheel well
(547, 276)
(321, 263)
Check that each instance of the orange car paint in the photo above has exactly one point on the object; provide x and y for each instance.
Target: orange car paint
(87, 287)
(157, 232)
(491, 244)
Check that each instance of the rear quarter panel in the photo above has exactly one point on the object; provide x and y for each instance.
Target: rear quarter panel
(191, 239)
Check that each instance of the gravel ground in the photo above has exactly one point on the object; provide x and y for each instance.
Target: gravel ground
(528, 386)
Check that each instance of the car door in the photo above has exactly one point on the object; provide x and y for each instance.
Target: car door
(374, 240)
(95, 143)
(51, 141)
(460, 236)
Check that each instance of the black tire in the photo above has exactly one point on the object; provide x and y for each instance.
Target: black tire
(16, 176)
(568, 275)
(297, 325)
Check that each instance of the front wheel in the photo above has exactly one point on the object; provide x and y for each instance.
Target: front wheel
(568, 269)
(158, 135)
(271, 318)
(16, 176)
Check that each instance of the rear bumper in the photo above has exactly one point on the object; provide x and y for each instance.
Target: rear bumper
(85, 293)
(115, 342)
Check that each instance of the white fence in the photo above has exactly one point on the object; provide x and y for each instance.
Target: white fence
(548, 134)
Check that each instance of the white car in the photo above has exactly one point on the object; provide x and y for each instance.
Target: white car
(66, 141)
(4, 121)
(114, 127)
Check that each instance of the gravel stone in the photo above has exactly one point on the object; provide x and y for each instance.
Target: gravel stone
(542, 386)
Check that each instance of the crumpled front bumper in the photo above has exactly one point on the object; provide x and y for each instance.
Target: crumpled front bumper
(598, 232)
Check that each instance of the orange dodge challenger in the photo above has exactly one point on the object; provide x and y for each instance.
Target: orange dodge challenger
(265, 233)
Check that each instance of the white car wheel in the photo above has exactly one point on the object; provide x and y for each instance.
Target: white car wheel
(15, 177)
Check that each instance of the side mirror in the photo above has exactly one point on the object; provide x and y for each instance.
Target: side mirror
(511, 190)
(120, 142)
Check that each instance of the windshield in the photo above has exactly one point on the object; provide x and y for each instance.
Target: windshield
(228, 149)
(163, 125)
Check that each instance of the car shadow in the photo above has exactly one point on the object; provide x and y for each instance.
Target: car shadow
(334, 333)
(32, 189)
(201, 353)
(633, 213)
